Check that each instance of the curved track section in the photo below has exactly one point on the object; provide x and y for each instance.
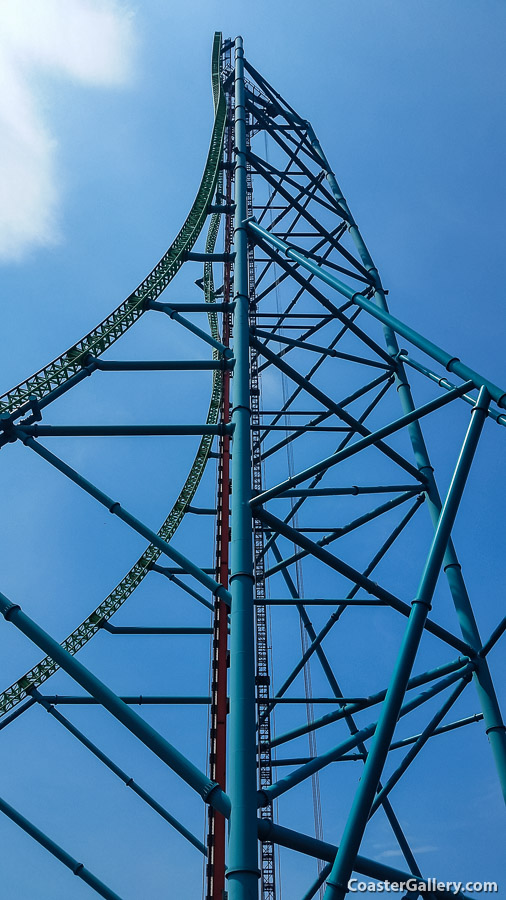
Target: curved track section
(56, 373)
(107, 332)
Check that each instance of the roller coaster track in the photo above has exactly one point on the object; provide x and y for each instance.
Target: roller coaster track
(68, 368)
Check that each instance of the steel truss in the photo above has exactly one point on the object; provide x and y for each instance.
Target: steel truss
(298, 361)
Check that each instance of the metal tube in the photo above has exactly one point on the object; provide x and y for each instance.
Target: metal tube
(336, 408)
(303, 843)
(198, 332)
(242, 871)
(116, 509)
(76, 867)
(370, 438)
(421, 740)
(364, 797)
(118, 430)
(310, 893)
(128, 781)
(319, 762)
(356, 577)
(366, 702)
(162, 365)
(449, 361)
(210, 791)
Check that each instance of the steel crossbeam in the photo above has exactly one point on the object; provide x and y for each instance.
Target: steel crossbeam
(300, 345)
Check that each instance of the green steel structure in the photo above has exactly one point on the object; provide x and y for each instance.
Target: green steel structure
(314, 449)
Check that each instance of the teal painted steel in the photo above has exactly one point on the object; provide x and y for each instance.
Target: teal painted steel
(77, 868)
(449, 361)
(127, 779)
(337, 883)
(242, 871)
(210, 791)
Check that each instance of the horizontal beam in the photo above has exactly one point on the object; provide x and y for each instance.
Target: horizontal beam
(371, 438)
(123, 430)
(457, 665)
(303, 601)
(209, 790)
(140, 629)
(77, 868)
(161, 365)
(354, 490)
(116, 509)
(139, 700)
(302, 843)
(451, 362)
(355, 576)
(190, 326)
(126, 779)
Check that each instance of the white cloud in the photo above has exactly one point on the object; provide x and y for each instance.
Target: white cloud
(387, 854)
(85, 41)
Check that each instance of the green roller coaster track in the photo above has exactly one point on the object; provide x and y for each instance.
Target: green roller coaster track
(70, 364)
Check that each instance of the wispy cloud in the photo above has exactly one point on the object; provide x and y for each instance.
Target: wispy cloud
(88, 42)
(387, 854)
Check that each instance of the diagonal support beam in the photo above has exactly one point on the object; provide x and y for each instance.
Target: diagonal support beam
(451, 362)
(371, 438)
(337, 883)
(77, 868)
(354, 575)
(116, 509)
(128, 781)
(332, 406)
(187, 771)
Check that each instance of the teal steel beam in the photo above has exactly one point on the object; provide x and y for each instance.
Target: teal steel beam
(494, 637)
(324, 759)
(371, 868)
(420, 742)
(127, 780)
(356, 576)
(336, 532)
(368, 440)
(121, 430)
(396, 745)
(190, 326)
(456, 665)
(77, 868)
(310, 893)
(141, 629)
(451, 362)
(316, 348)
(353, 489)
(352, 836)
(443, 729)
(297, 601)
(116, 509)
(129, 700)
(334, 407)
(162, 365)
(187, 771)
(242, 870)
(6, 720)
(164, 570)
(500, 418)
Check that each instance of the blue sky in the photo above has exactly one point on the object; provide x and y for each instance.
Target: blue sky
(106, 127)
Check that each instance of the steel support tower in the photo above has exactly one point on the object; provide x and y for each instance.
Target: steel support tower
(316, 472)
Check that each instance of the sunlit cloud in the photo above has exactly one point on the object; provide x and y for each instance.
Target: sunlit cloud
(88, 42)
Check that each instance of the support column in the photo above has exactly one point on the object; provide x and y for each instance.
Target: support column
(495, 727)
(337, 883)
(242, 872)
